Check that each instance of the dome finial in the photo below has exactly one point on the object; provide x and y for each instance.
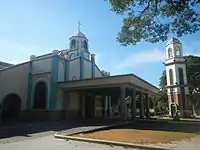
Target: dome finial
(79, 25)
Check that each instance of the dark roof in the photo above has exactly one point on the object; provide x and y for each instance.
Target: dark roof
(4, 64)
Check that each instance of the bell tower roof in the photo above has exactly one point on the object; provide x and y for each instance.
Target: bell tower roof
(172, 41)
(78, 41)
(78, 33)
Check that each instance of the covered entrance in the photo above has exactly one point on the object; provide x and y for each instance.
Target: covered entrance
(107, 97)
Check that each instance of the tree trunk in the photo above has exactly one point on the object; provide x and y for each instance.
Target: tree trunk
(193, 110)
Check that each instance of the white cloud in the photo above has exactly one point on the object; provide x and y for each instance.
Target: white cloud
(193, 53)
(15, 52)
(191, 48)
(148, 57)
(143, 57)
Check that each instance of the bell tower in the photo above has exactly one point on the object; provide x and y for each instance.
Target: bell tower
(177, 89)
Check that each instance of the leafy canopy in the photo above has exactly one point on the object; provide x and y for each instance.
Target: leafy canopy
(155, 20)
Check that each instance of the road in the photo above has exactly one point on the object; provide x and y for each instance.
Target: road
(50, 143)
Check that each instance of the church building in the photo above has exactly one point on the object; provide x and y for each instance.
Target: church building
(68, 84)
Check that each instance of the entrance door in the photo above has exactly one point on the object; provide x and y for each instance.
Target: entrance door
(40, 96)
(89, 106)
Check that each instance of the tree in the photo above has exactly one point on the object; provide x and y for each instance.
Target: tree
(193, 77)
(163, 82)
(160, 102)
(155, 20)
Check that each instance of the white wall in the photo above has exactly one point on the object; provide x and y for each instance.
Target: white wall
(74, 101)
(87, 69)
(61, 70)
(42, 65)
(15, 80)
(74, 69)
(60, 100)
(73, 105)
(87, 55)
(97, 72)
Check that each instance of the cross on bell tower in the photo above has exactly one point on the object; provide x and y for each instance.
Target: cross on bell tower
(177, 89)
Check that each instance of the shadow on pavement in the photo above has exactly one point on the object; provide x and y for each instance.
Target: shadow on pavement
(27, 128)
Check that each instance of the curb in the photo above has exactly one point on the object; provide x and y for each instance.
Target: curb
(123, 144)
(93, 130)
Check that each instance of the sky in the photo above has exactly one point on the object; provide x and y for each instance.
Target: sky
(36, 27)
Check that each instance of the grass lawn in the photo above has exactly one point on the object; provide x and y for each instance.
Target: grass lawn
(145, 133)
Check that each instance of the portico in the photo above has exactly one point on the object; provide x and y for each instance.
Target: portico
(106, 97)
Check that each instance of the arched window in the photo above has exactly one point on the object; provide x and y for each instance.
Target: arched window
(82, 44)
(85, 45)
(180, 73)
(171, 78)
(72, 55)
(77, 43)
(169, 52)
(73, 43)
(11, 106)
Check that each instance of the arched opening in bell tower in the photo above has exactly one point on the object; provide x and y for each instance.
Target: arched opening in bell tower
(169, 52)
(171, 78)
(85, 45)
(73, 44)
(180, 73)
(178, 51)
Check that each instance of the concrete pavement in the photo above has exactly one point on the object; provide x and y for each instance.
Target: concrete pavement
(50, 143)
(24, 131)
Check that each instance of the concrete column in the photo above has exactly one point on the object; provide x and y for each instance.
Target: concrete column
(0, 114)
(82, 105)
(147, 106)
(103, 105)
(94, 105)
(133, 104)
(123, 111)
(141, 105)
(106, 106)
(110, 104)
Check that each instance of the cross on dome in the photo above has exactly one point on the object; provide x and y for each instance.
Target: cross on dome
(78, 40)
(79, 26)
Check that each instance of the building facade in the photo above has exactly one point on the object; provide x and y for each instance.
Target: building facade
(66, 84)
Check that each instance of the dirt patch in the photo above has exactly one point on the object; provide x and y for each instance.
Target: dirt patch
(146, 133)
(138, 136)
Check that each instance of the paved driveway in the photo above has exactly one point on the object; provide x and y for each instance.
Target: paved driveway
(24, 131)
(50, 143)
